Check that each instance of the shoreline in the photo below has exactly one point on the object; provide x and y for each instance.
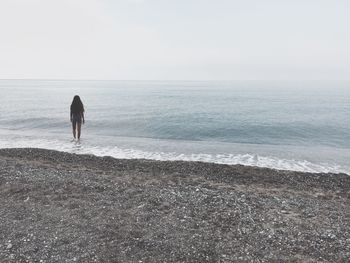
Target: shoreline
(67, 207)
(280, 157)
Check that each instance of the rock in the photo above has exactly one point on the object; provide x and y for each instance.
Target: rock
(231, 211)
(9, 246)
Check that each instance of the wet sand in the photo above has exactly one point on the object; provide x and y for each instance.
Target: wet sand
(61, 207)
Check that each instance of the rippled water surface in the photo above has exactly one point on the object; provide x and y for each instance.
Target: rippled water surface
(298, 126)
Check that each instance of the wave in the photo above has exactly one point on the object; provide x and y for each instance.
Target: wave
(248, 159)
(230, 159)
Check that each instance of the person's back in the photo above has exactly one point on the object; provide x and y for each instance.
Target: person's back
(77, 116)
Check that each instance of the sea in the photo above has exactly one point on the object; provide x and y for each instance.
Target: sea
(299, 126)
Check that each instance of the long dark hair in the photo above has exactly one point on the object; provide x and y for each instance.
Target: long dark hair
(76, 106)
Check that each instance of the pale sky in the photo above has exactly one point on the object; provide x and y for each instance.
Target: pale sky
(175, 39)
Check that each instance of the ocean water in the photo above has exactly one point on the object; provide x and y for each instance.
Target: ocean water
(302, 126)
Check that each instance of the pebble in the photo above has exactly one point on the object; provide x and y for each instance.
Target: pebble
(332, 236)
(217, 210)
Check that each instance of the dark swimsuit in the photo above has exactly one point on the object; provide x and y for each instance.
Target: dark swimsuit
(76, 118)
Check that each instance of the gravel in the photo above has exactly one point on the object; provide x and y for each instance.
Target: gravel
(61, 207)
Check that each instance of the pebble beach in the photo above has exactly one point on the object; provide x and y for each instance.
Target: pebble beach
(63, 207)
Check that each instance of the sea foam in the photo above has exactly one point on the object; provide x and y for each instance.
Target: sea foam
(258, 160)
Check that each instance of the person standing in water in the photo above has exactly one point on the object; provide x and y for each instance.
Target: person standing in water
(77, 116)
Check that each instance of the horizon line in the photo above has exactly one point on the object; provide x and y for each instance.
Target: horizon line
(173, 80)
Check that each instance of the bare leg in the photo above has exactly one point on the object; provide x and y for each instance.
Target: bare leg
(79, 129)
(73, 127)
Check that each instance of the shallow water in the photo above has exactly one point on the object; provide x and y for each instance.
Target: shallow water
(296, 126)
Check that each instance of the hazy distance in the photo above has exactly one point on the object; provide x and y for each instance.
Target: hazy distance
(175, 40)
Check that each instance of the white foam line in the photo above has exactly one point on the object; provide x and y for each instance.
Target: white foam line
(231, 159)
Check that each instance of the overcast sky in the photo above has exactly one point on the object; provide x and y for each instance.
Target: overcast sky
(175, 39)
